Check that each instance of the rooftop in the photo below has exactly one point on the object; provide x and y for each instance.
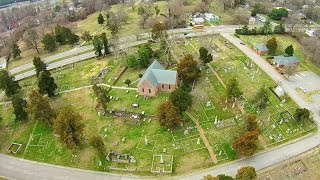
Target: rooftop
(286, 61)
(260, 47)
(156, 74)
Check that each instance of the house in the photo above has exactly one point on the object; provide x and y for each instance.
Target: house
(252, 20)
(282, 61)
(3, 63)
(156, 79)
(260, 48)
(211, 17)
(198, 20)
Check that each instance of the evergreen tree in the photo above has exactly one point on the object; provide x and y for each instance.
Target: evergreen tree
(15, 50)
(46, 83)
(100, 19)
(145, 54)
(205, 56)
(97, 45)
(8, 84)
(181, 99)
(39, 65)
(49, 42)
(289, 50)
(105, 43)
(272, 45)
(19, 106)
(132, 61)
(60, 34)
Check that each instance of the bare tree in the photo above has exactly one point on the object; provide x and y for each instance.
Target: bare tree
(240, 16)
(32, 39)
(292, 21)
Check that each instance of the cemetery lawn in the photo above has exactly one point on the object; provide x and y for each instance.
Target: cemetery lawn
(283, 42)
(221, 121)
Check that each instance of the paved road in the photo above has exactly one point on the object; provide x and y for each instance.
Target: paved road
(78, 54)
(21, 169)
(72, 52)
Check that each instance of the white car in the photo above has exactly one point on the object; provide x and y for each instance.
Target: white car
(303, 89)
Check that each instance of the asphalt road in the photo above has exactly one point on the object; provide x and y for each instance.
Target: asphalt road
(21, 169)
(78, 55)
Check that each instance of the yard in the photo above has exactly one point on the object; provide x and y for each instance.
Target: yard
(283, 42)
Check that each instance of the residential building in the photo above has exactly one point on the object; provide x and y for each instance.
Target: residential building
(156, 79)
(283, 62)
(260, 48)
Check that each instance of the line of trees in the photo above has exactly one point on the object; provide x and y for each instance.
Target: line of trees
(266, 29)
(60, 36)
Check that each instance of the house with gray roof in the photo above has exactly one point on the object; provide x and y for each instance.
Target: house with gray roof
(260, 48)
(282, 61)
(156, 78)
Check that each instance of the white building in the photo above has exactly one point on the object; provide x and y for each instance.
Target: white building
(252, 20)
(310, 33)
(198, 21)
(3, 63)
(279, 91)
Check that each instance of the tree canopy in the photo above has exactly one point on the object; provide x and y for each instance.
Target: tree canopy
(278, 14)
(302, 114)
(168, 115)
(261, 98)
(70, 128)
(15, 50)
(97, 45)
(188, 69)
(233, 89)
(39, 65)
(98, 144)
(181, 99)
(105, 43)
(272, 45)
(245, 145)
(289, 50)
(19, 106)
(100, 19)
(205, 56)
(49, 42)
(38, 108)
(8, 84)
(246, 173)
(46, 83)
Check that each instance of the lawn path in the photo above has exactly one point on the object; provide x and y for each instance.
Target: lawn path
(30, 139)
(105, 85)
(204, 139)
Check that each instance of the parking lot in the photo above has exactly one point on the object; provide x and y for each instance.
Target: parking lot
(308, 83)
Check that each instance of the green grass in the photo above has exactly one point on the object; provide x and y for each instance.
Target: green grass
(283, 42)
